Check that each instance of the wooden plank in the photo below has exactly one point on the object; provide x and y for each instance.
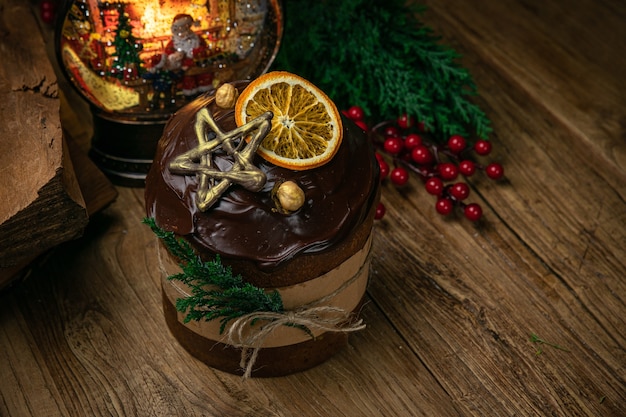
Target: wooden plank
(108, 350)
(564, 201)
(98, 192)
(41, 204)
(49, 186)
(581, 199)
(468, 300)
(27, 387)
(563, 55)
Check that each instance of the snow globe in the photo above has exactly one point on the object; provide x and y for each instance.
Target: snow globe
(137, 61)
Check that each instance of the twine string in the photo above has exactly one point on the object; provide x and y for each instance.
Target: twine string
(327, 319)
(309, 317)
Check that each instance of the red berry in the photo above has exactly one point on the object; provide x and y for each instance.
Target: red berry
(393, 145)
(380, 211)
(444, 206)
(494, 171)
(412, 140)
(391, 130)
(467, 168)
(473, 212)
(421, 126)
(405, 121)
(434, 186)
(47, 16)
(355, 113)
(448, 171)
(48, 11)
(421, 155)
(456, 143)
(399, 176)
(460, 191)
(362, 125)
(384, 168)
(482, 147)
(48, 5)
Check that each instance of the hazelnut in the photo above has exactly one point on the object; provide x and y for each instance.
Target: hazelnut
(290, 196)
(226, 96)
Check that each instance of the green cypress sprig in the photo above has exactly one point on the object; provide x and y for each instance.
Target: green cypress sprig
(377, 54)
(216, 293)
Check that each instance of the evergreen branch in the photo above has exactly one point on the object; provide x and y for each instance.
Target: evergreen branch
(378, 55)
(215, 291)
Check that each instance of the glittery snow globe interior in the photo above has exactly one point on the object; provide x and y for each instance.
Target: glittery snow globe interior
(150, 57)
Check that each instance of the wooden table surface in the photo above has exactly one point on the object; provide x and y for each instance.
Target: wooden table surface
(451, 305)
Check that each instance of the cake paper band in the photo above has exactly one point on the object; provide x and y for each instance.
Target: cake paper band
(334, 294)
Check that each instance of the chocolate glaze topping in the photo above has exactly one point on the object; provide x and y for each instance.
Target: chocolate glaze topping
(244, 224)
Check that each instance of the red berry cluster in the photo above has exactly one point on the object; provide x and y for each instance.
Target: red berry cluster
(48, 10)
(412, 150)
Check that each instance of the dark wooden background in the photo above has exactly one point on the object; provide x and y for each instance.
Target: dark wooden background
(451, 305)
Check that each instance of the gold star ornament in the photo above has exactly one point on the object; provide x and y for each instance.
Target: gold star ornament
(213, 182)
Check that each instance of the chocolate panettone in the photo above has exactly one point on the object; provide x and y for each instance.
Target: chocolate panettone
(316, 256)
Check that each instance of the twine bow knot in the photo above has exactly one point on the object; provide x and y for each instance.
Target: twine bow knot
(312, 316)
(324, 318)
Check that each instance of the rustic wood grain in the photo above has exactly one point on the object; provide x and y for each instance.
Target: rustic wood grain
(97, 190)
(115, 343)
(41, 204)
(451, 306)
(49, 187)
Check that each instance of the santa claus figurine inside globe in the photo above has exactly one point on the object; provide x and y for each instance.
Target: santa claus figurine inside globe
(187, 52)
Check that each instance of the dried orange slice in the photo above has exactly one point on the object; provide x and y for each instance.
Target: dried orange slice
(306, 128)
